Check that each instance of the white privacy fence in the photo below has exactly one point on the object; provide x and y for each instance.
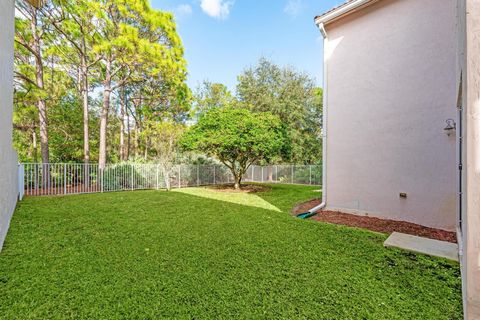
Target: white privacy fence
(70, 178)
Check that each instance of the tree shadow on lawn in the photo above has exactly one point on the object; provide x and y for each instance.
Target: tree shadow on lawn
(151, 254)
(246, 199)
(275, 197)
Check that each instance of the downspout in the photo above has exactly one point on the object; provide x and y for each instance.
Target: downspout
(460, 228)
(322, 205)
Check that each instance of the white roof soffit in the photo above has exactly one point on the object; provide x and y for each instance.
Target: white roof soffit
(342, 10)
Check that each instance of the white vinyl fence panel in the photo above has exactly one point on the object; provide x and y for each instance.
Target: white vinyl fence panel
(21, 181)
(78, 178)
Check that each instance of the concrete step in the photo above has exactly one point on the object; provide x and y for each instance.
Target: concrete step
(442, 249)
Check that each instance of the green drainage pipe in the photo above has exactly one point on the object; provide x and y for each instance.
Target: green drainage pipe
(306, 215)
(312, 212)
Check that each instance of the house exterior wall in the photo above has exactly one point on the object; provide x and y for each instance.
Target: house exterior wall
(8, 158)
(469, 71)
(391, 86)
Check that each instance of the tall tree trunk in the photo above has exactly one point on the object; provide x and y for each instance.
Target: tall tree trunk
(107, 84)
(34, 144)
(122, 124)
(237, 177)
(128, 136)
(237, 182)
(166, 176)
(147, 146)
(84, 81)
(41, 105)
(138, 128)
(136, 143)
(42, 112)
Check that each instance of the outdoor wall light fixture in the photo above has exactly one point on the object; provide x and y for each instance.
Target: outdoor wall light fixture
(450, 128)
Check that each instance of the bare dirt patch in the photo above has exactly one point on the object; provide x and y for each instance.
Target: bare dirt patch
(375, 224)
(246, 188)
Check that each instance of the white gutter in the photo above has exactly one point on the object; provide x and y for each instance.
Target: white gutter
(340, 11)
(324, 127)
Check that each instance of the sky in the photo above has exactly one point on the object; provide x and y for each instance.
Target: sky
(223, 37)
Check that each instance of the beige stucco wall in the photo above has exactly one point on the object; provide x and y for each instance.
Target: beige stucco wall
(469, 69)
(390, 87)
(8, 158)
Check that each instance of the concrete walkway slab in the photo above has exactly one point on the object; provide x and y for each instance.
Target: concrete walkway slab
(430, 247)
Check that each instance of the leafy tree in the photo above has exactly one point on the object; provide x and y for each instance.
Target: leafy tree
(292, 96)
(237, 138)
(66, 49)
(150, 101)
(211, 95)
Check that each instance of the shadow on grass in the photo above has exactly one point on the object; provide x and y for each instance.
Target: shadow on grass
(246, 199)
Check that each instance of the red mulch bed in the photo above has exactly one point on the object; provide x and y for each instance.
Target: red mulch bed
(375, 224)
(246, 188)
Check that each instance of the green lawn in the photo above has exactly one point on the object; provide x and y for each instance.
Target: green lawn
(202, 254)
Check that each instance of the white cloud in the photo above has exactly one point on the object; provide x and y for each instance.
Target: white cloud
(184, 10)
(219, 9)
(293, 7)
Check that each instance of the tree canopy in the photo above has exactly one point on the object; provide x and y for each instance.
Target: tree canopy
(237, 138)
(293, 97)
(105, 81)
(211, 95)
(74, 59)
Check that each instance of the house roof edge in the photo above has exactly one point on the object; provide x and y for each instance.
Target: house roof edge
(342, 10)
